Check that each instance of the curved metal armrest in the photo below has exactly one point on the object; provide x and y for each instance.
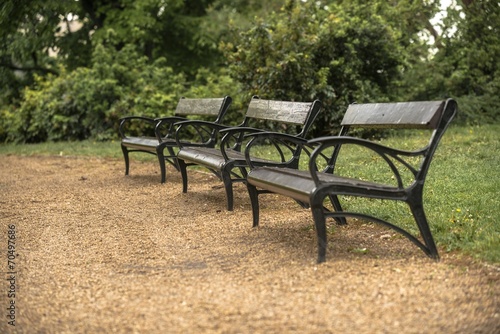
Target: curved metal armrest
(126, 119)
(295, 145)
(384, 151)
(336, 140)
(170, 119)
(232, 138)
(261, 135)
(239, 129)
(165, 126)
(237, 133)
(206, 130)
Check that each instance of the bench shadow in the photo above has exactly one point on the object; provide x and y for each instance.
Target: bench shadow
(357, 240)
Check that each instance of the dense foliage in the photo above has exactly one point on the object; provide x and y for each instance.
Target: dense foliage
(70, 69)
(467, 67)
(88, 101)
(338, 54)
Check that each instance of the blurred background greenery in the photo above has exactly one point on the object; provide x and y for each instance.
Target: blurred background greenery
(70, 69)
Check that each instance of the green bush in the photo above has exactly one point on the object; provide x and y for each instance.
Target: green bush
(466, 64)
(87, 102)
(218, 83)
(339, 54)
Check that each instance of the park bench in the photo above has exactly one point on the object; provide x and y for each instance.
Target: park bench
(162, 132)
(320, 181)
(227, 161)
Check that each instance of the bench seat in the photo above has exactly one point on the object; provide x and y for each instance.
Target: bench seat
(208, 157)
(141, 142)
(299, 185)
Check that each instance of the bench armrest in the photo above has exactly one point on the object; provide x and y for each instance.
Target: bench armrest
(285, 146)
(388, 154)
(205, 132)
(240, 129)
(170, 119)
(233, 137)
(165, 127)
(128, 119)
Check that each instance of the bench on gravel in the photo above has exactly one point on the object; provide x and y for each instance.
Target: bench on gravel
(321, 180)
(227, 161)
(162, 134)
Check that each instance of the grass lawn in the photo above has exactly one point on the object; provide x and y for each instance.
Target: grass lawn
(461, 194)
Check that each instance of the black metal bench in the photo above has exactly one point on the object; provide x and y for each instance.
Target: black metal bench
(227, 161)
(321, 181)
(164, 131)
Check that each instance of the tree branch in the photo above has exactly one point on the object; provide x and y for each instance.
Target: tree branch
(29, 69)
(434, 33)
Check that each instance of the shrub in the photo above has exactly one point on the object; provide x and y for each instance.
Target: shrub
(338, 54)
(87, 102)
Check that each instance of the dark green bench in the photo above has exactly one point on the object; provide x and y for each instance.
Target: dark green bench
(163, 135)
(321, 181)
(227, 161)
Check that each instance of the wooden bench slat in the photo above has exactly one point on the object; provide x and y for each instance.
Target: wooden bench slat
(279, 111)
(208, 157)
(199, 107)
(141, 141)
(404, 114)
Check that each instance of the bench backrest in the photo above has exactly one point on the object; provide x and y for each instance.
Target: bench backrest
(433, 115)
(216, 107)
(425, 114)
(288, 112)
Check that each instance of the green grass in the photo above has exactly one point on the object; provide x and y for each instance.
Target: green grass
(109, 149)
(461, 196)
(463, 188)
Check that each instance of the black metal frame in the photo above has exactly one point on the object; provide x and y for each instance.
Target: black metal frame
(312, 187)
(228, 161)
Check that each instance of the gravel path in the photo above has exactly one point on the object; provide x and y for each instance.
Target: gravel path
(98, 252)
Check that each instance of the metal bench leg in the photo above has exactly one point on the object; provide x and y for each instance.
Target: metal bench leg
(125, 156)
(421, 220)
(228, 185)
(183, 169)
(254, 200)
(161, 160)
(172, 157)
(320, 223)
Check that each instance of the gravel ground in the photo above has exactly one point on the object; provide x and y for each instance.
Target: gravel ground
(98, 252)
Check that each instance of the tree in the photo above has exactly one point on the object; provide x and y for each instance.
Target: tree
(42, 50)
(46, 38)
(338, 53)
(27, 32)
(466, 66)
(38, 36)
(88, 101)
